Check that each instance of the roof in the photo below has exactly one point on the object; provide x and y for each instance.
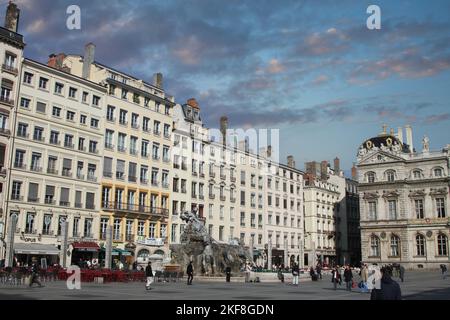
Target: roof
(86, 246)
(385, 140)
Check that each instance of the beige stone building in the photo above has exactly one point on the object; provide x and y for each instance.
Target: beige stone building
(404, 201)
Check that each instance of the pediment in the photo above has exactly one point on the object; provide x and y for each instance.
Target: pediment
(417, 193)
(379, 156)
(370, 195)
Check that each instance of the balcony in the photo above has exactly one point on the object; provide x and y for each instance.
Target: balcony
(78, 205)
(10, 69)
(20, 166)
(155, 157)
(129, 237)
(194, 174)
(107, 174)
(260, 206)
(194, 196)
(132, 178)
(201, 197)
(29, 231)
(121, 149)
(91, 178)
(212, 174)
(47, 232)
(34, 200)
(55, 142)
(109, 146)
(89, 206)
(22, 134)
(202, 174)
(176, 166)
(144, 181)
(154, 183)
(110, 119)
(80, 176)
(223, 177)
(212, 196)
(183, 166)
(64, 203)
(123, 122)
(165, 185)
(233, 179)
(233, 200)
(36, 168)
(120, 176)
(222, 198)
(156, 132)
(16, 197)
(253, 185)
(69, 145)
(134, 125)
(134, 208)
(92, 150)
(66, 173)
(166, 159)
(117, 237)
(52, 171)
(166, 135)
(38, 138)
(81, 148)
(133, 152)
(3, 172)
(7, 101)
(5, 132)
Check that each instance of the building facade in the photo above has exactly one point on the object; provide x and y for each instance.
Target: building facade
(404, 201)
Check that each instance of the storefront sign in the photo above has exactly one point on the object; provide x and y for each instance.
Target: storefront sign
(151, 241)
(24, 239)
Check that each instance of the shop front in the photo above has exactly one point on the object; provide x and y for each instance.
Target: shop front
(43, 254)
(83, 252)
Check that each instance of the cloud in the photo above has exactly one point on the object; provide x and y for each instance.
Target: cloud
(275, 66)
(320, 79)
(436, 118)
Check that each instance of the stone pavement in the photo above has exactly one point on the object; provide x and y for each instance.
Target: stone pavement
(417, 285)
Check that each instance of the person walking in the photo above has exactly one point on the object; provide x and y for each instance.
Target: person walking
(228, 273)
(401, 272)
(319, 271)
(444, 271)
(190, 273)
(149, 275)
(248, 271)
(35, 275)
(335, 277)
(390, 290)
(348, 278)
(364, 273)
(295, 274)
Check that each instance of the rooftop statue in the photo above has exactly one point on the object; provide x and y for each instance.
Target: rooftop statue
(426, 144)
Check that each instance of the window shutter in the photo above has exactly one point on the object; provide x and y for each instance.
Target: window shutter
(33, 191)
(65, 194)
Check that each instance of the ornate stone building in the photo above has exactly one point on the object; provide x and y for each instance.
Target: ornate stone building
(404, 201)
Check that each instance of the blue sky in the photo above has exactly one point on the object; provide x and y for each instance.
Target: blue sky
(309, 68)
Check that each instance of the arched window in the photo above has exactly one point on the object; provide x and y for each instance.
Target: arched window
(370, 177)
(374, 246)
(417, 174)
(442, 245)
(437, 172)
(420, 245)
(144, 253)
(395, 246)
(390, 175)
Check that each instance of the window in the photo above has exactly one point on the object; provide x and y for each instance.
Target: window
(123, 117)
(134, 120)
(29, 223)
(390, 176)
(67, 167)
(90, 200)
(72, 92)
(109, 136)
(132, 172)
(144, 148)
(116, 229)
(133, 145)
(440, 207)
(43, 83)
(417, 174)
(40, 107)
(110, 113)
(420, 245)
(70, 115)
(120, 169)
(27, 78)
(166, 131)
(166, 156)
(156, 126)
(442, 245)
(94, 123)
(124, 94)
(64, 197)
(152, 230)
(33, 191)
(25, 103)
(242, 219)
(54, 136)
(372, 210)
(395, 246)
(145, 124)
(58, 88)
(85, 96)
(418, 205)
(370, 177)
(91, 171)
(83, 119)
(92, 146)
(144, 174)
(437, 172)
(68, 141)
(56, 112)
(15, 191)
(155, 151)
(95, 101)
(392, 204)
(374, 246)
(36, 162)
(38, 134)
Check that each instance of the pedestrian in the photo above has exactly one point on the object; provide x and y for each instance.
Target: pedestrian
(335, 277)
(190, 273)
(390, 290)
(319, 270)
(444, 271)
(149, 275)
(281, 275)
(228, 273)
(248, 270)
(401, 272)
(295, 274)
(348, 278)
(35, 275)
(135, 265)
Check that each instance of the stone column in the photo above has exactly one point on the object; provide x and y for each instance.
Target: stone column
(64, 236)
(269, 254)
(251, 248)
(301, 256)
(10, 241)
(314, 255)
(108, 247)
(286, 256)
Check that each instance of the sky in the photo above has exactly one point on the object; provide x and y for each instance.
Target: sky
(311, 68)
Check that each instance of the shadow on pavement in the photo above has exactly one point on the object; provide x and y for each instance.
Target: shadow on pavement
(437, 294)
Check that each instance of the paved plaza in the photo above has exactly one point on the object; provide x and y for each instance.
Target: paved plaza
(417, 285)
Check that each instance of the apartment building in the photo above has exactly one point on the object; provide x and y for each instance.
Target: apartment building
(11, 51)
(57, 164)
(135, 194)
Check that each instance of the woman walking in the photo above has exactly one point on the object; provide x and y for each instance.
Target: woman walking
(335, 277)
(295, 273)
(348, 277)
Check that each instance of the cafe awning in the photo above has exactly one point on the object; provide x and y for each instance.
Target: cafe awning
(117, 251)
(85, 246)
(36, 248)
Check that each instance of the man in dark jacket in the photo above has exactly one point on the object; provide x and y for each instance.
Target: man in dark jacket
(319, 271)
(348, 278)
(336, 277)
(190, 273)
(35, 275)
(390, 290)
(149, 275)
(228, 273)
(401, 272)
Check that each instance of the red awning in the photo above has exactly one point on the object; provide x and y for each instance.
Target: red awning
(85, 246)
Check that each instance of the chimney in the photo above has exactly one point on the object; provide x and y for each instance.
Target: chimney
(89, 56)
(337, 166)
(12, 17)
(193, 103)
(354, 172)
(400, 134)
(409, 138)
(223, 129)
(324, 170)
(56, 61)
(158, 80)
(291, 162)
